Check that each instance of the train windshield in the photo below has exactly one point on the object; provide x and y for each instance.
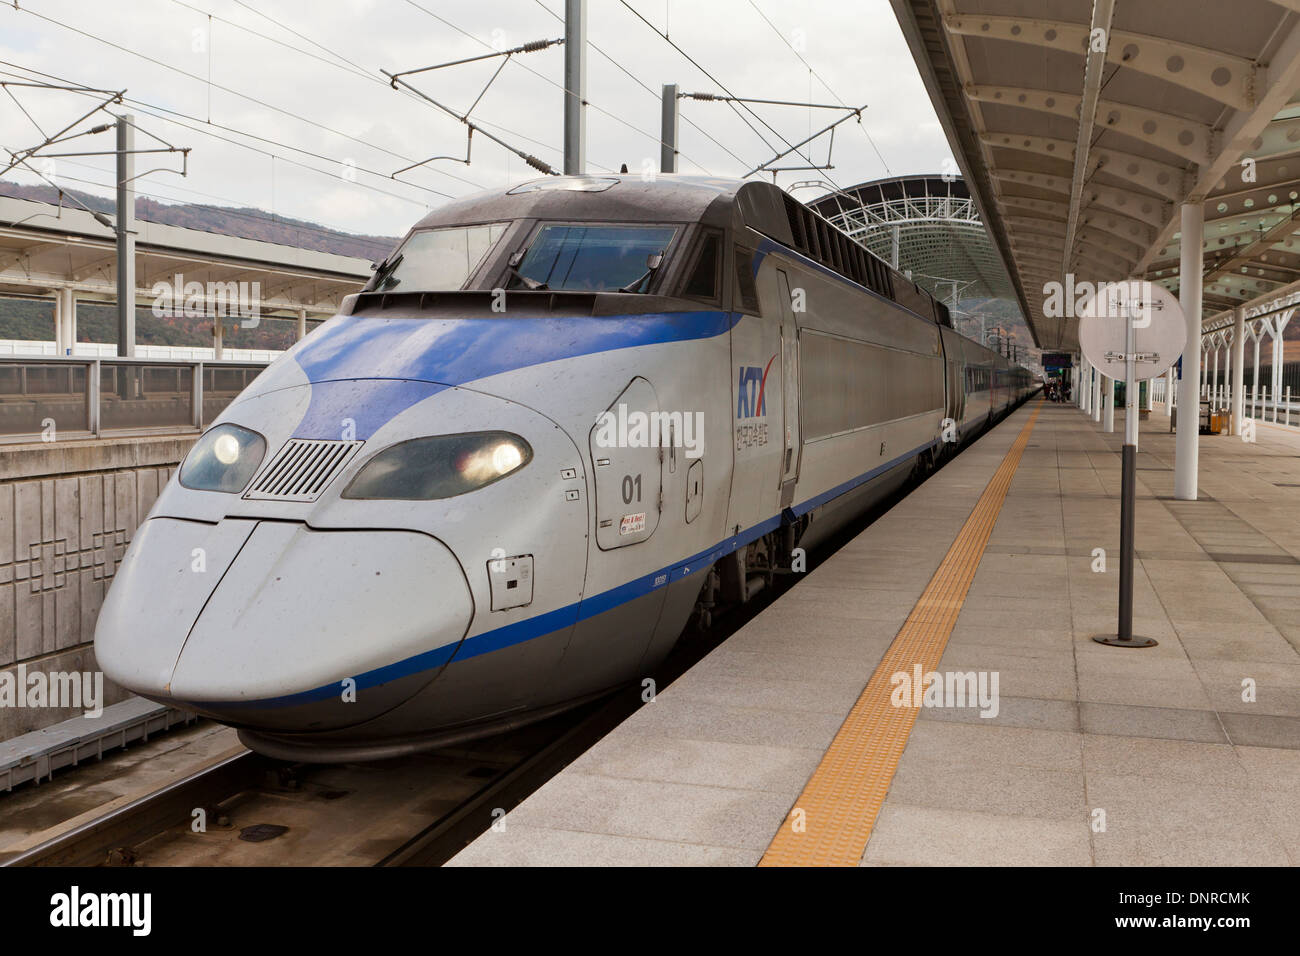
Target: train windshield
(437, 260)
(591, 258)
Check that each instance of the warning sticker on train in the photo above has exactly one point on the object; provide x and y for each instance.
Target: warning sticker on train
(631, 524)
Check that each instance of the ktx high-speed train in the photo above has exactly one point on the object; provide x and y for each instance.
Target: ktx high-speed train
(559, 421)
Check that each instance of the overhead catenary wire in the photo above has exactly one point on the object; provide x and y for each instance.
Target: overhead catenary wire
(160, 111)
(343, 63)
(695, 63)
(233, 92)
(547, 79)
(656, 94)
(352, 67)
(813, 72)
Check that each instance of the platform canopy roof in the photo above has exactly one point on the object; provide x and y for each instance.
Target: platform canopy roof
(1081, 127)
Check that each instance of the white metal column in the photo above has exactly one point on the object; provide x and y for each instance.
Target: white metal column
(59, 343)
(1257, 334)
(1238, 369)
(70, 320)
(1187, 445)
(1108, 403)
(1214, 379)
(1096, 394)
(1279, 324)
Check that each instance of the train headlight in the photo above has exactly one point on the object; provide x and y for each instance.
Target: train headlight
(441, 466)
(224, 459)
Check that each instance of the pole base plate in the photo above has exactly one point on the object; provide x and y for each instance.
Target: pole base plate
(1112, 640)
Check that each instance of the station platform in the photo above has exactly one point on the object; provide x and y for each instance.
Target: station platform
(793, 743)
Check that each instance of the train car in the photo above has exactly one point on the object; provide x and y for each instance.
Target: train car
(560, 421)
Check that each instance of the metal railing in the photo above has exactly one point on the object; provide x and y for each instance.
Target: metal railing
(1259, 404)
(49, 398)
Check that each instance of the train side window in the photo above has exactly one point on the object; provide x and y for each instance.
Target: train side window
(702, 281)
(746, 292)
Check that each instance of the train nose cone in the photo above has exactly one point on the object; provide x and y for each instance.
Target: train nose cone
(164, 579)
(275, 625)
(312, 630)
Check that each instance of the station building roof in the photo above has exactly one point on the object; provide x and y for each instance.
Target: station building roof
(928, 224)
(44, 248)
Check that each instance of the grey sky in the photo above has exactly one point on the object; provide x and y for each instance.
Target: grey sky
(855, 46)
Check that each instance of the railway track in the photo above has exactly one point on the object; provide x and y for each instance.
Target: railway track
(124, 823)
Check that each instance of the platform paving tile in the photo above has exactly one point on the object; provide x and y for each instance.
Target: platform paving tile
(1158, 741)
(1042, 641)
(1160, 723)
(927, 836)
(1165, 821)
(1261, 642)
(672, 812)
(745, 661)
(653, 758)
(833, 697)
(864, 648)
(1262, 730)
(1029, 712)
(523, 845)
(1272, 768)
(1021, 677)
(1214, 764)
(694, 718)
(1186, 694)
(960, 745)
(1021, 791)
(1222, 843)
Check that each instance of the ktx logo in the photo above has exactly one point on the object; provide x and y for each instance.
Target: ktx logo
(750, 402)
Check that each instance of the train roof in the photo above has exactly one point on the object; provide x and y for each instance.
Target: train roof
(725, 203)
(733, 204)
(617, 197)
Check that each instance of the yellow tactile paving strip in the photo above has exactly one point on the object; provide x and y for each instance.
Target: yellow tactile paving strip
(843, 796)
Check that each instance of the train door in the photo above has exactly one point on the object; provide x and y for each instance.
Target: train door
(955, 363)
(629, 462)
(793, 443)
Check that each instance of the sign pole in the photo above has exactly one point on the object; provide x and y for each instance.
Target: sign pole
(1128, 494)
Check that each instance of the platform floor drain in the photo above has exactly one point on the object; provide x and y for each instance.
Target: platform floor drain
(261, 832)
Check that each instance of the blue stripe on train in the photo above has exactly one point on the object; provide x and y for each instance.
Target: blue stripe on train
(369, 369)
(562, 618)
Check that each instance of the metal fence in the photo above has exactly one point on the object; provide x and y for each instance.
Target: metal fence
(43, 398)
(1259, 404)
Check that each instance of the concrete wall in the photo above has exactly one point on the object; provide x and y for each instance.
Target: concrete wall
(67, 512)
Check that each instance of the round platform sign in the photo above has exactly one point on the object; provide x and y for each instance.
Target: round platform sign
(1159, 327)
